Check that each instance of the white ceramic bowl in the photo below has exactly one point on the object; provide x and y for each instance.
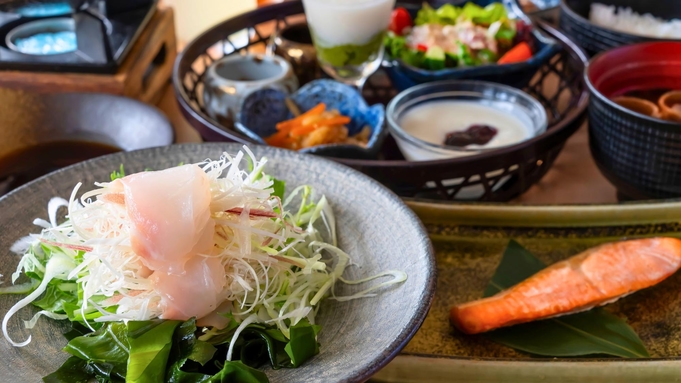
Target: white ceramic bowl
(501, 97)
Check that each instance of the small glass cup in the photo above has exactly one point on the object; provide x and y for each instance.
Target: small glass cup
(348, 36)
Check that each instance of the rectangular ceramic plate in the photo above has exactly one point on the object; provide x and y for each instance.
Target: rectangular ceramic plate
(469, 241)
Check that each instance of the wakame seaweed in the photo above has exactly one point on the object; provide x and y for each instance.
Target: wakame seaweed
(160, 351)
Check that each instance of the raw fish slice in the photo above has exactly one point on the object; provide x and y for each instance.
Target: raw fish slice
(170, 214)
(195, 293)
(595, 277)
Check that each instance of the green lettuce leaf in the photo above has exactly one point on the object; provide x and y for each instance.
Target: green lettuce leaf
(55, 297)
(448, 14)
(484, 16)
(426, 15)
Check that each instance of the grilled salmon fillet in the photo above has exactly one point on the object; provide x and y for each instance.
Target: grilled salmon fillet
(595, 277)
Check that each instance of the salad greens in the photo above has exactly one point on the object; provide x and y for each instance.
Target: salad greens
(449, 14)
(453, 36)
(279, 265)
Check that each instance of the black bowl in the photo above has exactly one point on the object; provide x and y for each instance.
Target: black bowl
(574, 21)
(640, 155)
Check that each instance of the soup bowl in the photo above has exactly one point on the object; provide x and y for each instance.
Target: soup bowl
(638, 153)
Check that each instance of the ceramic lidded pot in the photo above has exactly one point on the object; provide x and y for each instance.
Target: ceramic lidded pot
(231, 79)
(294, 43)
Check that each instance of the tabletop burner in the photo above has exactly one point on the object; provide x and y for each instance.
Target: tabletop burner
(86, 36)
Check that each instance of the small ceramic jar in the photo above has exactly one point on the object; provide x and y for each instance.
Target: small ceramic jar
(294, 43)
(231, 79)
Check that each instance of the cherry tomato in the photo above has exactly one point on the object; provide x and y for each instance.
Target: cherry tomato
(422, 47)
(399, 20)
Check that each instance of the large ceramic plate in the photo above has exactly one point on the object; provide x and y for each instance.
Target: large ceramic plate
(380, 233)
(469, 240)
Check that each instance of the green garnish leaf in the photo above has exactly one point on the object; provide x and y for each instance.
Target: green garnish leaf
(303, 344)
(592, 332)
(118, 174)
(150, 344)
(54, 298)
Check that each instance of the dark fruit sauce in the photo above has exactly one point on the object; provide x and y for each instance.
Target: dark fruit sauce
(475, 134)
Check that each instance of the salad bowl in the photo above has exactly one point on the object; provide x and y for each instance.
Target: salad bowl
(373, 225)
(404, 73)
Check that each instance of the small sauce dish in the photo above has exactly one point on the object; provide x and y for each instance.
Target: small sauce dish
(231, 79)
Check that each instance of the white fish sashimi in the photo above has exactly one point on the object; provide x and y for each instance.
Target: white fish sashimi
(195, 293)
(170, 215)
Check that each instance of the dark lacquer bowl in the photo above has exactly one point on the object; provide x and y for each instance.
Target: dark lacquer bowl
(518, 75)
(640, 155)
(574, 21)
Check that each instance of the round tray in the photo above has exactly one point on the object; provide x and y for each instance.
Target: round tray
(493, 176)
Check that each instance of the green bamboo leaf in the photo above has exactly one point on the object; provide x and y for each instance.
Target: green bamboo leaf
(592, 332)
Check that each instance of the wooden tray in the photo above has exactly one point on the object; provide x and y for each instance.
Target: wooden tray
(469, 240)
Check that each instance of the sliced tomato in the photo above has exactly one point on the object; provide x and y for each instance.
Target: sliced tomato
(422, 47)
(400, 20)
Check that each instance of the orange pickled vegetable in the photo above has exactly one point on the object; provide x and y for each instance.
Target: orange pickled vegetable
(317, 126)
(305, 129)
(287, 125)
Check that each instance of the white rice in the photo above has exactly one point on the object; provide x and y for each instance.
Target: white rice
(626, 20)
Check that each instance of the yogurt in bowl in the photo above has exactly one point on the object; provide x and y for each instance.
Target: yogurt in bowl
(451, 119)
